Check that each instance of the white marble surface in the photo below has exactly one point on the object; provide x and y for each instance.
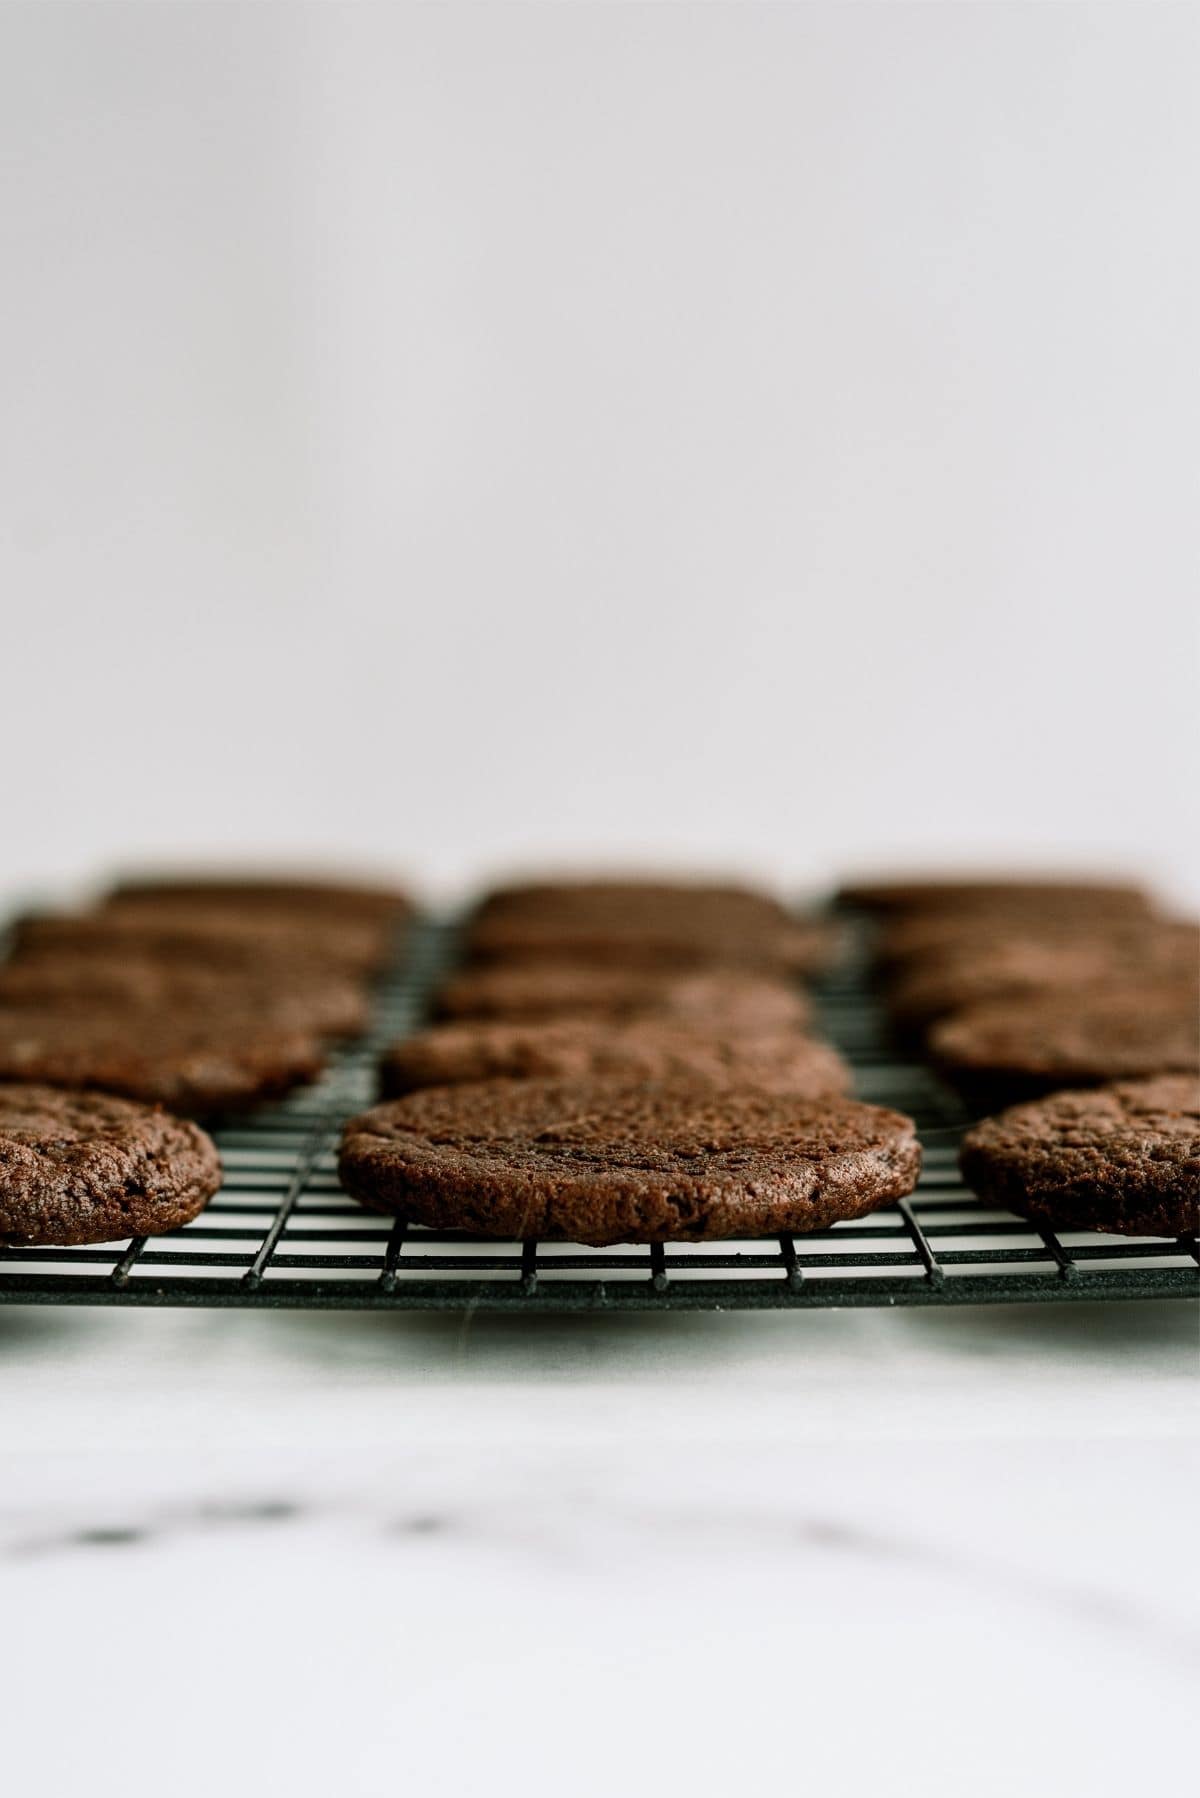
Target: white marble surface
(910, 1551)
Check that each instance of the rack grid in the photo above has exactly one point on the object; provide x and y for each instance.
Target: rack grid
(282, 1233)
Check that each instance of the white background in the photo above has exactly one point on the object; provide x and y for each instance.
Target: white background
(445, 435)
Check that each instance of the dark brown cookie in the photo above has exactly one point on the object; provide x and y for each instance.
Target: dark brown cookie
(373, 915)
(207, 937)
(198, 1066)
(802, 949)
(86, 1167)
(919, 940)
(541, 898)
(1019, 964)
(328, 1005)
(1123, 1158)
(946, 893)
(721, 999)
(270, 890)
(781, 1061)
(659, 930)
(1015, 1049)
(609, 1161)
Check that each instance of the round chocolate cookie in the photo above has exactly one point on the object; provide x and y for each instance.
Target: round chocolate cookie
(304, 896)
(208, 937)
(782, 1061)
(1017, 1048)
(721, 998)
(600, 1161)
(915, 942)
(938, 893)
(1026, 963)
(664, 932)
(542, 898)
(87, 1167)
(1123, 1158)
(197, 1065)
(361, 924)
(329, 1005)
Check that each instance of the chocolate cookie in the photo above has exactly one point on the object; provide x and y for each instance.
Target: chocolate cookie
(597, 1161)
(904, 944)
(302, 896)
(86, 1167)
(1019, 1048)
(541, 898)
(207, 937)
(723, 998)
(1047, 895)
(1019, 964)
(1123, 1158)
(198, 1066)
(327, 1005)
(662, 930)
(781, 1061)
(366, 922)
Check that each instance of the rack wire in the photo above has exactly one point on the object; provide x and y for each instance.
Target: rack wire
(282, 1233)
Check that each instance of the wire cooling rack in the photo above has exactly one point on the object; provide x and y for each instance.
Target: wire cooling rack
(281, 1232)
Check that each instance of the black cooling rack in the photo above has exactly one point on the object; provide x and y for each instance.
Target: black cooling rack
(281, 1232)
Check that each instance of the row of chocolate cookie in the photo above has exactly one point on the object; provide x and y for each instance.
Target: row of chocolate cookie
(626, 1062)
(206, 996)
(626, 978)
(1077, 1009)
(201, 996)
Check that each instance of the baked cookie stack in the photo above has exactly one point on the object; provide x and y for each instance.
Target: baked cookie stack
(1072, 1009)
(626, 1061)
(202, 997)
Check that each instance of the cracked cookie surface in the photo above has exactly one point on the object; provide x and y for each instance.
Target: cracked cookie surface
(1123, 1158)
(81, 1167)
(598, 1162)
